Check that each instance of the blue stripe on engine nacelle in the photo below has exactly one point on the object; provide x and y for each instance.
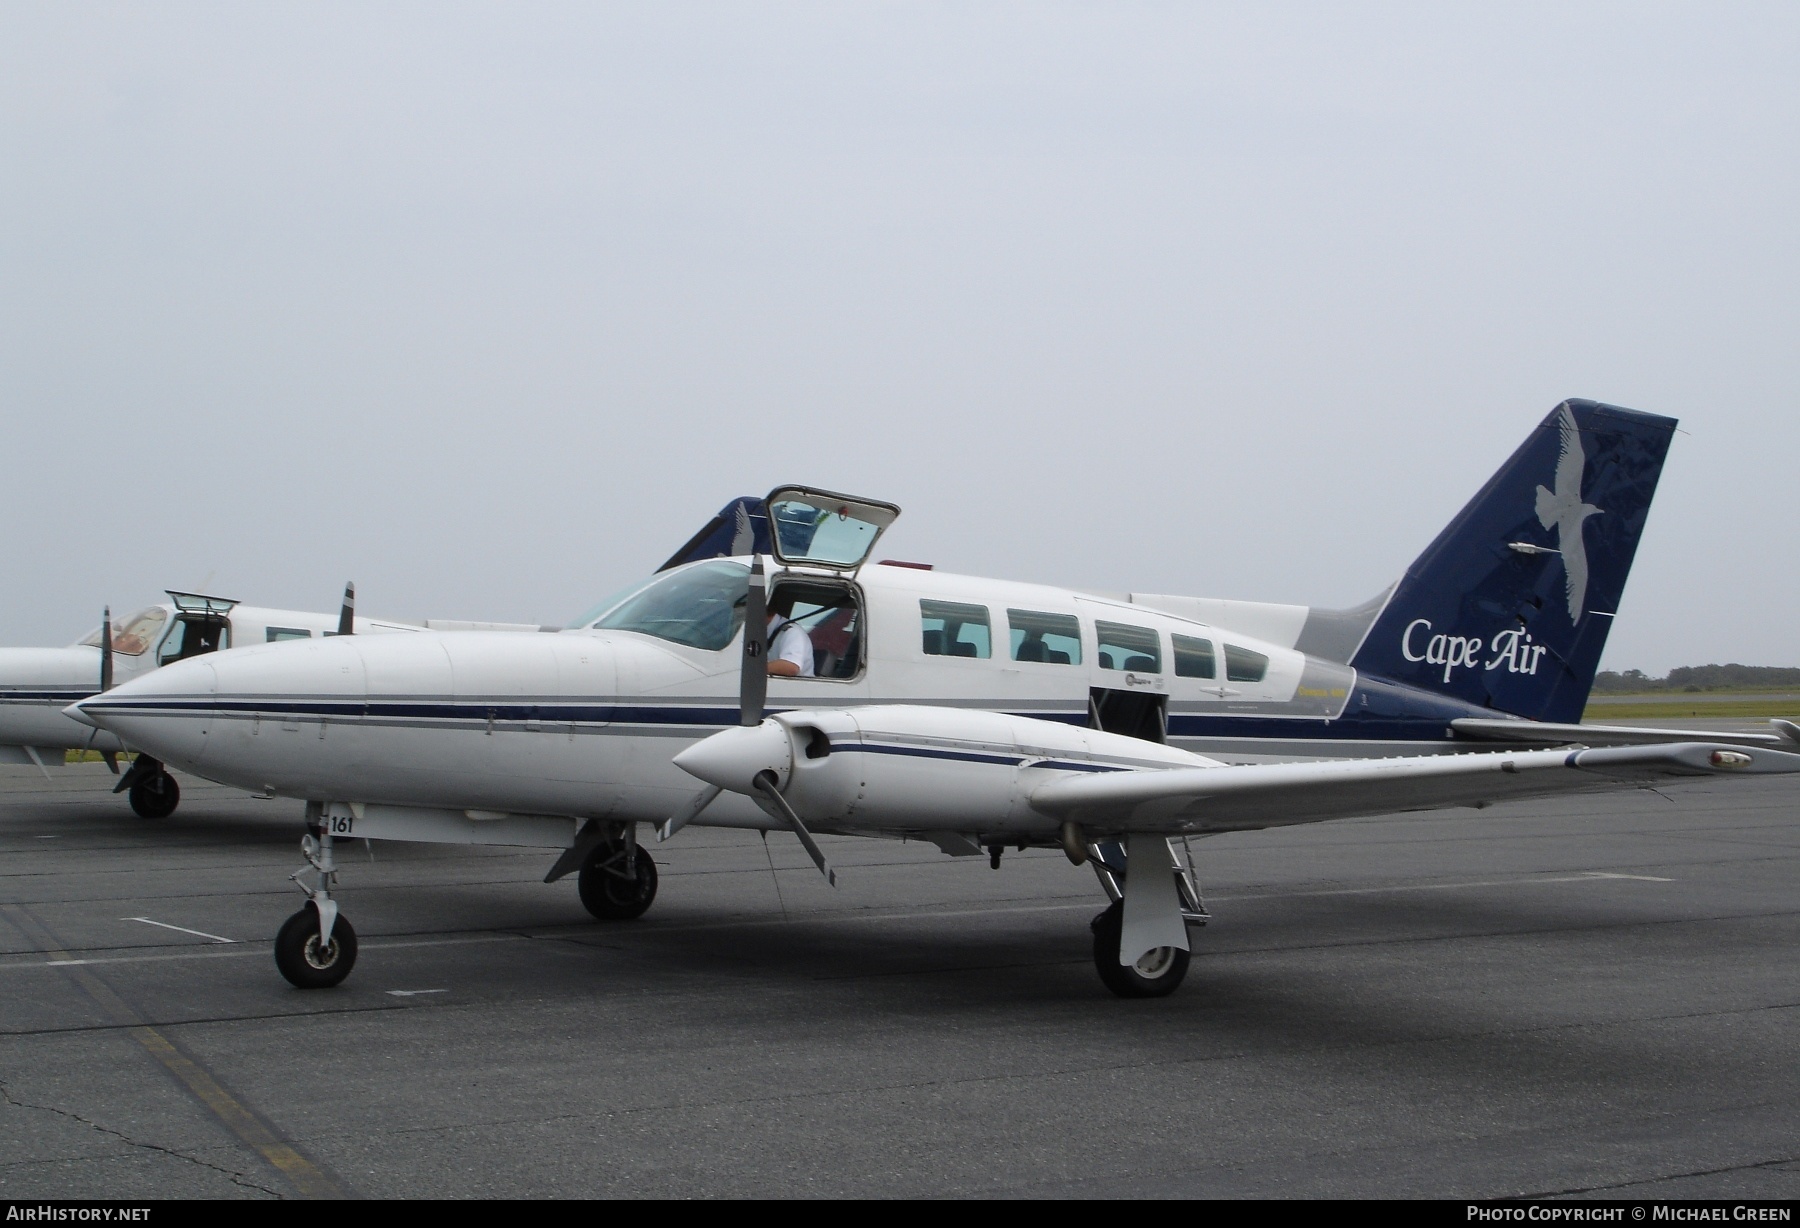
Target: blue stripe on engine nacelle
(923, 752)
(1014, 760)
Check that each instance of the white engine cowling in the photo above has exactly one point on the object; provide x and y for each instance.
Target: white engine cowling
(915, 768)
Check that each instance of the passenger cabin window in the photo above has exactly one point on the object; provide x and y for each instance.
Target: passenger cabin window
(277, 634)
(133, 637)
(830, 617)
(1126, 647)
(1051, 638)
(1194, 658)
(952, 629)
(1242, 665)
(701, 606)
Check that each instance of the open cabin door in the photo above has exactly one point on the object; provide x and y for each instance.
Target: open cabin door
(821, 539)
(202, 625)
(818, 529)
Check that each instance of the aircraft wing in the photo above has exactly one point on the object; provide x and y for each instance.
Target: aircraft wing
(1785, 735)
(1202, 800)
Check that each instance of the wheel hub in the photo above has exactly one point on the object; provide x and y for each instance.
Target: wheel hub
(1155, 962)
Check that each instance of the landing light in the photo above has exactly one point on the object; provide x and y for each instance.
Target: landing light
(1729, 759)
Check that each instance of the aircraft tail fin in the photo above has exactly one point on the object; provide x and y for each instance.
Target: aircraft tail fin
(1510, 607)
(741, 527)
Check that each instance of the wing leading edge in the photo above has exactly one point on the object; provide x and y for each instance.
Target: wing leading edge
(1200, 800)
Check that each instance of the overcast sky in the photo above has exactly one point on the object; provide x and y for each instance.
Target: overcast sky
(489, 307)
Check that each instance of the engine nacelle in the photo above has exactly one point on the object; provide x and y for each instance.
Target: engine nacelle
(913, 768)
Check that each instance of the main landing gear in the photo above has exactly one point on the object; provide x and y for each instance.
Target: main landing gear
(618, 879)
(316, 948)
(1156, 973)
(152, 792)
(1141, 947)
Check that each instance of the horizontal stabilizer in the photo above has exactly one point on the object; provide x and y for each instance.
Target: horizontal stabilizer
(1544, 733)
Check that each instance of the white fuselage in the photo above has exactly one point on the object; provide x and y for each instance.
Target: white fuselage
(584, 723)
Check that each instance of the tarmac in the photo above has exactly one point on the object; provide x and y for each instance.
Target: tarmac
(1589, 997)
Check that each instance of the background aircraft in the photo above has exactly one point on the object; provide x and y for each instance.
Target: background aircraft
(973, 713)
(36, 684)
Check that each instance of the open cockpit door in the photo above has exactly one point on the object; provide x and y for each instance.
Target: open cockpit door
(202, 625)
(816, 528)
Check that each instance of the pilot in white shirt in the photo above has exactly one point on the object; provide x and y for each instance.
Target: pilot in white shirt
(790, 648)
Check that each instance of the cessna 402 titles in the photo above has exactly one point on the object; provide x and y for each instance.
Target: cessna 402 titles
(789, 685)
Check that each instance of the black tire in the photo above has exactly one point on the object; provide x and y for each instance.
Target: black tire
(1157, 974)
(610, 891)
(301, 961)
(155, 797)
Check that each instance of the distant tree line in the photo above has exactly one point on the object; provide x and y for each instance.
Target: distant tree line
(1697, 678)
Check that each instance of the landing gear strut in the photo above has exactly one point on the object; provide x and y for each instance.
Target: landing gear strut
(1172, 908)
(618, 879)
(316, 948)
(1157, 972)
(152, 792)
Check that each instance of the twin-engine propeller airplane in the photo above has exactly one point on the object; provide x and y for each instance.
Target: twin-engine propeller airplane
(975, 714)
(37, 684)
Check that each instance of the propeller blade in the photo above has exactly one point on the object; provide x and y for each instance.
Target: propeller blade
(688, 813)
(347, 615)
(765, 785)
(106, 651)
(753, 687)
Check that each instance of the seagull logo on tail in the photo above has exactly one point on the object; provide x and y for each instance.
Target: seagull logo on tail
(1563, 510)
(743, 538)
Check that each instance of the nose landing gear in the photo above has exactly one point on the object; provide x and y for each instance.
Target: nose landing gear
(306, 958)
(316, 948)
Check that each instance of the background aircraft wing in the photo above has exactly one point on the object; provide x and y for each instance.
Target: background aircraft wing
(1784, 735)
(1198, 800)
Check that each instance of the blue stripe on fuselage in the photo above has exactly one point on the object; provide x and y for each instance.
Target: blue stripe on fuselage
(1377, 710)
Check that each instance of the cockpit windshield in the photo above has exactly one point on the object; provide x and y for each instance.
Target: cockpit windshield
(701, 606)
(133, 638)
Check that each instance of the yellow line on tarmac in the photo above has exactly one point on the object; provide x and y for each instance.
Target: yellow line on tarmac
(249, 1126)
